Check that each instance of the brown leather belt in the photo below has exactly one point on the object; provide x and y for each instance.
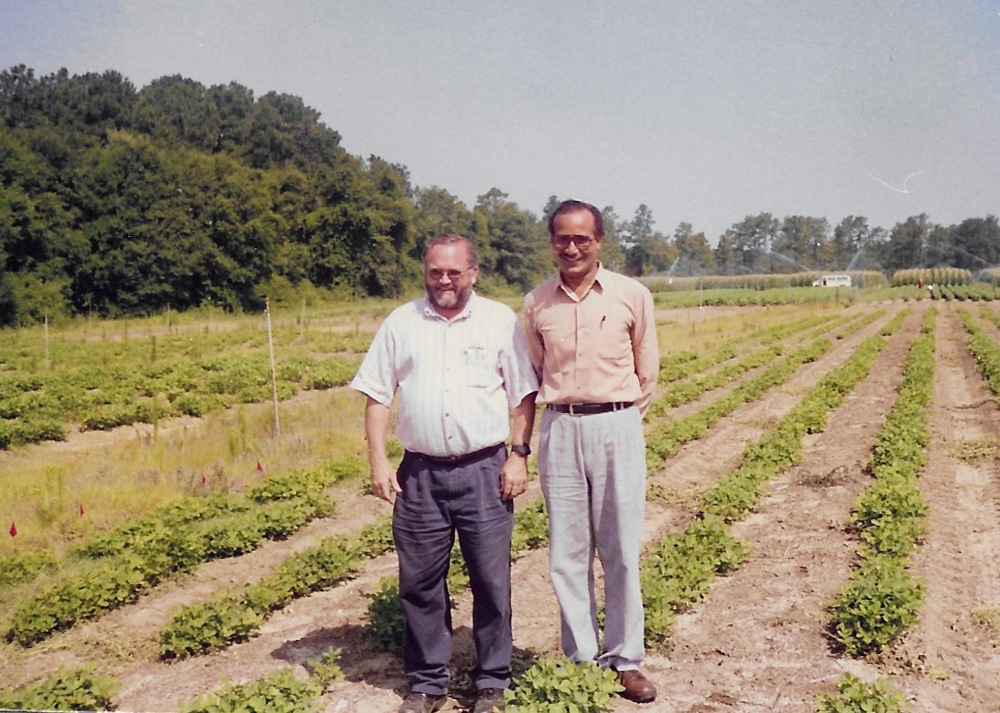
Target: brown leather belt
(458, 460)
(589, 409)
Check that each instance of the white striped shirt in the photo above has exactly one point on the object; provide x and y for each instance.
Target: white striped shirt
(457, 380)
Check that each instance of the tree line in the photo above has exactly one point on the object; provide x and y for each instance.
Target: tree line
(116, 201)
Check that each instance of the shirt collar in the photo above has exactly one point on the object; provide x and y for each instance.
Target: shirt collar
(601, 272)
(430, 312)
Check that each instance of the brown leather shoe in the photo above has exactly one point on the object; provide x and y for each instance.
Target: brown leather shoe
(421, 703)
(638, 688)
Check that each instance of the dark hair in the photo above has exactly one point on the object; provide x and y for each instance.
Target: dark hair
(572, 206)
(454, 239)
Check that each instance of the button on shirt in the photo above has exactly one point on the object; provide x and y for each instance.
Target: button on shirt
(595, 349)
(456, 380)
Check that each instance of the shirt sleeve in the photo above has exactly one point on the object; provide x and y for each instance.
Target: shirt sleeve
(646, 350)
(518, 371)
(376, 375)
(532, 339)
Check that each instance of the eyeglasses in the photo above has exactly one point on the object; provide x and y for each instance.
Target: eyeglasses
(582, 242)
(452, 275)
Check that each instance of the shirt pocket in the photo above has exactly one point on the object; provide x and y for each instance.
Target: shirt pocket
(480, 367)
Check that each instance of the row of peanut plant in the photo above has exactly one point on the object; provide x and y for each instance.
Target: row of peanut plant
(82, 689)
(984, 350)
(99, 386)
(664, 438)
(677, 571)
(692, 362)
(236, 616)
(881, 598)
(681, 392)
(117, 567)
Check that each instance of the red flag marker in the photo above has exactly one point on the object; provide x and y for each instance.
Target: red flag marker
(13, 529)
(81, 509)
(202, 478)
(260, 467)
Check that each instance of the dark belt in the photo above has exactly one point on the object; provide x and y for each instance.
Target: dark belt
(458, 460)
(588, 409)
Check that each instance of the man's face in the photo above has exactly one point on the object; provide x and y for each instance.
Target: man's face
(449, 278)
(575, 244)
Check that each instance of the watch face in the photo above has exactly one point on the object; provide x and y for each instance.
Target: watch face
(521, 449)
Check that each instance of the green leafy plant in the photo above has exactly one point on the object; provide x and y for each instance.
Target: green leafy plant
(386, 625)
(280, 692)
(326, 668)
(855, 696)
(879, 602)
(66, 689)
(561, 686)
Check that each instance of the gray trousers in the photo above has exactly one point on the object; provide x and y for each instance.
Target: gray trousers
(437, 502)
(593, 476)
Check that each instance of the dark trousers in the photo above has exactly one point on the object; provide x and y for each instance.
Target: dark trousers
(437, 502)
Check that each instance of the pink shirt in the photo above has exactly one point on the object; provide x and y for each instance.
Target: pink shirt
(595, 349)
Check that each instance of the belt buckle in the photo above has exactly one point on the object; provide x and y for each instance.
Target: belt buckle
(572, 410)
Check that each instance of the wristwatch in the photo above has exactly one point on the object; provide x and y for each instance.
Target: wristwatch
(521, 449)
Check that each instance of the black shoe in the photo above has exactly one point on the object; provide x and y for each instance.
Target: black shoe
(489, 700)
(421, 702)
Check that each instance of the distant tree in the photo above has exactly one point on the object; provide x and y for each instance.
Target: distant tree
(801, 242)
(515, 242)
(850, 238)
(175, 110)
(283, 130)
(752, 238)
(22, 101)
(694, 254)
(612, 251)
(728, 256)
(91, 102)
(234, 107)
(906, 243)
(438, 211)
(976, 243)
(939, 248)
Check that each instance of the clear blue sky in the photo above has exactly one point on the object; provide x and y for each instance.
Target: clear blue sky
(706, 112)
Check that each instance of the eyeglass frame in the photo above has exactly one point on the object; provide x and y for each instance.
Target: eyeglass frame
(582, 242)
(435, 275)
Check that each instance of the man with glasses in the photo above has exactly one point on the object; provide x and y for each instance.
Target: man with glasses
(592, 338)
(459, 364)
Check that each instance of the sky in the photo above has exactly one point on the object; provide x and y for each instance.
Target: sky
(705, 112)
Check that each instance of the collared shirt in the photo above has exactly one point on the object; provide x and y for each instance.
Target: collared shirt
(598, 348)
(456, 380)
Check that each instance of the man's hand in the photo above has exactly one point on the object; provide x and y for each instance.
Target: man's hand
(384, 483)
(513, 477)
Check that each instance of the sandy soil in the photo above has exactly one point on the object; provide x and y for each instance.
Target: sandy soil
(756, 643)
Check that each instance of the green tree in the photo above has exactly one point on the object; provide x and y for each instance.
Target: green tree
(437, 212)
(801, 242)
(175, 110)
(516, 241)
(694, 254)
(976, 243)
(906, 243)
(727, 254)
(752, 239)
(283, 130)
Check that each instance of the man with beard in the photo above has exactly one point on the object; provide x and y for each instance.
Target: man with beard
(459, 363)
(593, 342)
